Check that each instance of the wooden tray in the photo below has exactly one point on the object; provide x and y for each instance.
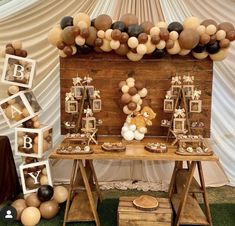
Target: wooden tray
(146, 202)
(74, 153)
(195, 153)
(148, 148)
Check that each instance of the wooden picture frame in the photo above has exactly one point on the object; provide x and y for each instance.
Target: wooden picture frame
(71, 106)
(89, 123)
(175, 89)
(168, 105)
(78, 91)
(18, 71)
(188, 90)
(179, 125)
(32, 174)
(33, 142)
(96, 105)
(195, 106)
(90, 91)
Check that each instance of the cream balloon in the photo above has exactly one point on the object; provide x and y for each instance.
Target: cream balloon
(150, 46)
(106, 46)
(134, 56)
(154, 31)
(17, 44)
(220, 35)
(130, 80)
(143, 92)
(133, 42)
(108, 34)
(221, 55)
(80, 40)
(162, 24)
(211, 29)
(200, 56)
(201, 29)
(191, 22)
(62, 54)
(114, 44)
(136, 98)
(101, 34)
(141, 49)
(126, 110)
(138, 108)
(30, 216)
(184, 52)
(43, 180)
(82, 17)
(54, 35)
(176, 48)
(125, 89)
(161, 44)
(131, 84)
(60, 194)
(173, 35)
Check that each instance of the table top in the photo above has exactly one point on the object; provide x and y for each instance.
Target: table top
(134, 151)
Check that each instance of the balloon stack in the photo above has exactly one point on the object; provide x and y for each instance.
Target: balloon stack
(126, 37)
(132, 99)
(43, 203)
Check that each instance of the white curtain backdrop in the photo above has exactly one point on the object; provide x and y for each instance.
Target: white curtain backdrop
(31, 25)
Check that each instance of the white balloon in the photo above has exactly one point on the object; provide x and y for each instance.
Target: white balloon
(125, 89)
(132, 42)
(135, 98)
(132, 127)
(143, 92)
(138, 135)
(114, 44)
(125, 128)
(129, 135)
(130, 80)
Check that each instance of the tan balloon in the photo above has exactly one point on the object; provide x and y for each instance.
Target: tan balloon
(200, 56)
(154, 31)
(136, 98)
(19, 205)
(32, 200)
(173, 35)
(60, 194)
(201, 29)
(221, 55)
(134, 56)
(30, 216)
(176, 48)
(35, 148)
(143, 92)
(101, 34)
(141, 49)
(150, 46)
(17, 44)
(12, 101)
(79, 40)
(129, 19)
(184, 52)
(162, 24)
(62, 54)
(49, 209)
(161, 45)
(43, 180)
(108, 34)
(221, 34)
(133, 42)
(36, 124)
(54, 35)
(85, 18)
(126, 110)
(211, 29)
(25, 112)
(114, 44)
(13, 89)
(191, 23)
(13, 114)
(106, 46)
(125, 89)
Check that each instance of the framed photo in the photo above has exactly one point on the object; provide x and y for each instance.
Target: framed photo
(96, 105)
(71, 106)
(90, 91)
(78, 91)
(195, 106)
(18, 71)
(89, 123)
(34, 175)
(168, 105)
(188, 90)
(175, 89)
(179, 125)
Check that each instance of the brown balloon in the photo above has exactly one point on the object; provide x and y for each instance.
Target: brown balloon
(98, 42)
(164, 34)
(18, 52)
(60, 45)
(147, 25)
(122, 50)
(226, 26)
(139, 85)
(98, 49)
(208, 22)
(76, 30)
(121, 84)
(30, 183)
(103, 22)
(126, 98)
(129, 19)
(84, 33)
(32, 200)
(49, 209)
(124, 37)
(142, 38)
(132, 106)
(212, 39)
(92, 36)
(24, 53)
(169, 44)
(10, 50)
(155, 39)
(204, 38)
(230, 35)
(116, 34)
(67, 35)
(19, 205)
(188, 39)
(224, 43)
(132, 91)
(68, 50)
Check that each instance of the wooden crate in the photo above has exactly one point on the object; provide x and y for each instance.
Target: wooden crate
(108, 69)
(128, 215)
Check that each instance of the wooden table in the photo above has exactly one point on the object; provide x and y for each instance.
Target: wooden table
(182, 187)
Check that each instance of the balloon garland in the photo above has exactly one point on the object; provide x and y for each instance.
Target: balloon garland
(80, 35)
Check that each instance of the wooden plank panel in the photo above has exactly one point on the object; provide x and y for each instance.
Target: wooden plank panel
(107, 70)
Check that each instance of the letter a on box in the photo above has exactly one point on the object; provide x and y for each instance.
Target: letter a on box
(18, 71)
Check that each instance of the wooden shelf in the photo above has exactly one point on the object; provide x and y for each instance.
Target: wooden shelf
(181, 181)
(80, 209)
(192, 214)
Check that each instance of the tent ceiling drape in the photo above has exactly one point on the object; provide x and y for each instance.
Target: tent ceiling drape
(32, 24)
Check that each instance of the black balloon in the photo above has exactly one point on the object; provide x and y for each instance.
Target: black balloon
(159, 53)
(175, 26)
(199, 48)
(93, 22)
(213, 48)
(119, 25)
(134, 30)
(85, 49)
(45, 193)
(66, 21)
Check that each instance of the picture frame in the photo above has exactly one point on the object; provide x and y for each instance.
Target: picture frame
(195, 106)
(88, 124)
(90, 91)
(179, 125)
(78, 91)
(175, 89)
(71, 106)
(188, 90)
(96, 105)
(18, 71)
(168, 105)
(33, 175)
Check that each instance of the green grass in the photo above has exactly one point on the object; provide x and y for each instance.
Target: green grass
(222, 215)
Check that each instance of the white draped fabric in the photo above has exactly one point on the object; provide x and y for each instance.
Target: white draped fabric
(31, 25)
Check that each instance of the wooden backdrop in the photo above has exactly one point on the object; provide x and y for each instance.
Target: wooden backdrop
(107, 70)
